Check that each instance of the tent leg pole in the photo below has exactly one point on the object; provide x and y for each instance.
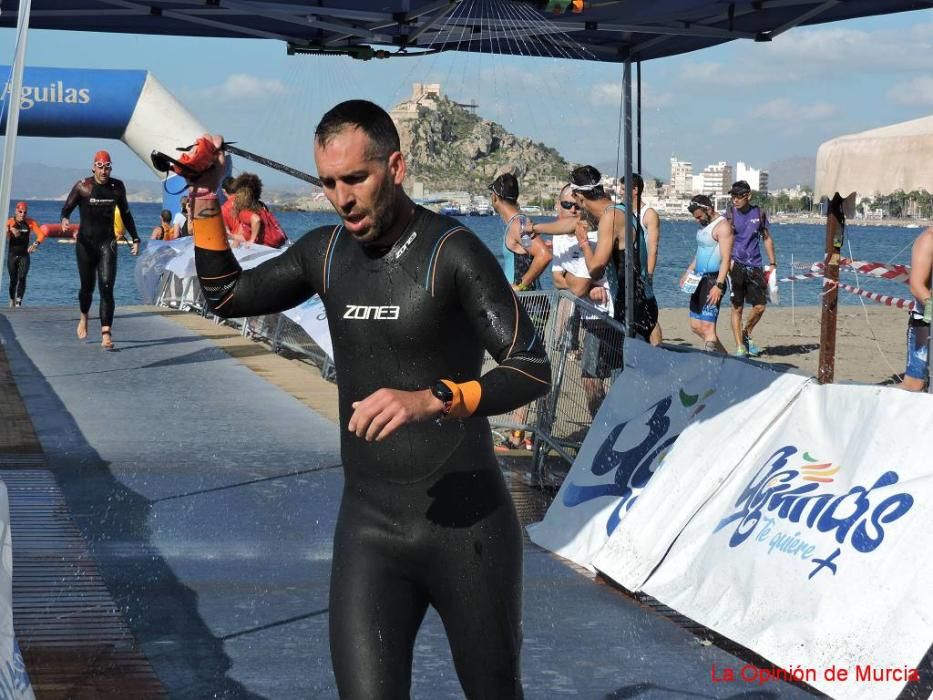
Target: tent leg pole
(12, 116)
(629, 231)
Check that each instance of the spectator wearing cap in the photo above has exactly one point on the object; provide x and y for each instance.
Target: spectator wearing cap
(747, 275)
(711, 265)
(525, 257)
(18, 228)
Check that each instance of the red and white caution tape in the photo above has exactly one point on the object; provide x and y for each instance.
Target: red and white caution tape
(801, 277)
(894, 273)
(884, 271)
(895, 302)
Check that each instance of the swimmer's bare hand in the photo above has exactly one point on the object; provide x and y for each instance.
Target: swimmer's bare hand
(386, 410)
(134, 249)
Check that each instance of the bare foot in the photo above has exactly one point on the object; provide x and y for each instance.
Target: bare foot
(82, 327)
(106, 342)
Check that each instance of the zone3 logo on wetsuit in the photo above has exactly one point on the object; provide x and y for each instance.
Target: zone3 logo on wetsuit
(377, 313)
(426, 509)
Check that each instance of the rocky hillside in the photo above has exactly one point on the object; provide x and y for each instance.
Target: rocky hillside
(450, 148)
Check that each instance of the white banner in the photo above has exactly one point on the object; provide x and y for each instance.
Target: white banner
(312, 317)
(661, 397)
(816, 552)
(177, 258)
(14, 680)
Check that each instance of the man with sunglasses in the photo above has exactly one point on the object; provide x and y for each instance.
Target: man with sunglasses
(96, 198)
(414, 301)
(747, 275)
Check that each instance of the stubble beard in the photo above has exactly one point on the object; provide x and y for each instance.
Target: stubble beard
(382, 215)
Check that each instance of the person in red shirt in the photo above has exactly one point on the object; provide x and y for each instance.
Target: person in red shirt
(17, 232)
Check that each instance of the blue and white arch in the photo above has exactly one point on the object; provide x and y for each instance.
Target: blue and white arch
(129, 105)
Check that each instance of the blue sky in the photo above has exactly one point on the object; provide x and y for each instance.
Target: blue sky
(743, 101)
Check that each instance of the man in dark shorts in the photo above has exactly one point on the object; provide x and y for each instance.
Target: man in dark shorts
(414, 301)
(747, 275)
(98, 198)
(710, 265)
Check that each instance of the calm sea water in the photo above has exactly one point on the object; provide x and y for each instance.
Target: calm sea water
(53, 277)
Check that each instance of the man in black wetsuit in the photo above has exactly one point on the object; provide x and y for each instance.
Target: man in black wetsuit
(95, 245)
(18, 228)
(413, 300)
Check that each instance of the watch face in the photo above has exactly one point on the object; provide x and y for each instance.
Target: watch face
(442, 392)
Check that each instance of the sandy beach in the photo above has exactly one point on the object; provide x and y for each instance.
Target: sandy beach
(870, 340)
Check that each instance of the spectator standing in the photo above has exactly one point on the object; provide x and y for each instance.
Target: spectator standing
(180, 221)
(917, 374)
(711, 264)
(747, 274)
(650, 243)
(525, 257)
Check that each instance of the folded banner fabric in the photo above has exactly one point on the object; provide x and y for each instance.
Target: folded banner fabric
(661, 398)
(811, 553)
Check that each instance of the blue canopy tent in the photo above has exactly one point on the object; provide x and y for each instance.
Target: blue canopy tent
(602, 30)
(623, 31)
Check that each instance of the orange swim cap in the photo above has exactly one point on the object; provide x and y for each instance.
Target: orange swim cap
(21, 205)
(102, 157)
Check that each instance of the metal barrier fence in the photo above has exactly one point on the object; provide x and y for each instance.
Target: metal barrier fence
(583, 345)
(585, 350)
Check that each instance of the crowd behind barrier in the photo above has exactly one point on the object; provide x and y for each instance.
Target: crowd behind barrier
(558, 421)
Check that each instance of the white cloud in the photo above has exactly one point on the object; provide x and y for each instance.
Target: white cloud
(783, 109)
(709, 73)
(610, 94)
(916, 92)
(835, 52)
(240, 85)
(723, 126)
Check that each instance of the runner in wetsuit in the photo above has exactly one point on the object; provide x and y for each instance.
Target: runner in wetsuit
(17, 262)
(413, 301)
(95, 246)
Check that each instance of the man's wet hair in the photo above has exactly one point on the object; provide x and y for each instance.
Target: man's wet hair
(700, 201)
(166, 216)
(366, 116)
(589, 177)
(638, 182)
(227, 184)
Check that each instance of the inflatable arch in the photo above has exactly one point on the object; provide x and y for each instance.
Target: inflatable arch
(129, 105)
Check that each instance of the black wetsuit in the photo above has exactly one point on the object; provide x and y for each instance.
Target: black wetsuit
(425, 518)
(96, 247)
(17, 263)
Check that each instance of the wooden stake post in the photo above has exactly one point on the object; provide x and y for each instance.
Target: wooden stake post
(835, 235)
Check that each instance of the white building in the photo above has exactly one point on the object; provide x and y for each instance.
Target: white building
(757, 179)
(681, 178)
